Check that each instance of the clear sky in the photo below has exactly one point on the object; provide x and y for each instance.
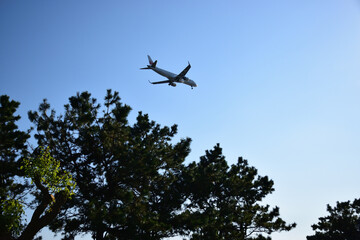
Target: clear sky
(278, 81)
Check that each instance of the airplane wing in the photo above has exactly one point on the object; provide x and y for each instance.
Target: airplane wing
(166, 81)
(183, 73)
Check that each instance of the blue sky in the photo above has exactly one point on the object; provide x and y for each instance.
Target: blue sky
(278, 81)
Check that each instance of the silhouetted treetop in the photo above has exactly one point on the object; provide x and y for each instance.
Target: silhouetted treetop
(342, 223)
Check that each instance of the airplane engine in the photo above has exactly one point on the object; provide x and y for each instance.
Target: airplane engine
(172, 84)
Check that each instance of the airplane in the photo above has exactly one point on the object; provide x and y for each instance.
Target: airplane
(172, 77)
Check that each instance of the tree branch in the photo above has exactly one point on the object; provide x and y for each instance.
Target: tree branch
(37, 222)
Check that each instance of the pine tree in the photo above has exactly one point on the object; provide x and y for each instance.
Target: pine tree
(127, 175)
(343, 222)
(225, 201)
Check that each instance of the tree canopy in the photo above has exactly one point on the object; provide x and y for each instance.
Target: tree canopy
(342, 223)
(127, 175)
(50, 186)
(12, 145)
(97, 173)
(224, 201)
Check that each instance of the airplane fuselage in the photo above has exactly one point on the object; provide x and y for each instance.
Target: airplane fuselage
(162, 72)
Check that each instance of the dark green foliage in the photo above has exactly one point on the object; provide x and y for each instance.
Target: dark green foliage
(224, 201)
(12, 140)
(50, 186)
(343, 222)
(127, 176)
(12, 145)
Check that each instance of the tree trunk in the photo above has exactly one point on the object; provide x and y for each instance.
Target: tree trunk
(37, 222)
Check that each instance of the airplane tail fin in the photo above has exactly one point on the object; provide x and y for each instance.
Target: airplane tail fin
(152, 64)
